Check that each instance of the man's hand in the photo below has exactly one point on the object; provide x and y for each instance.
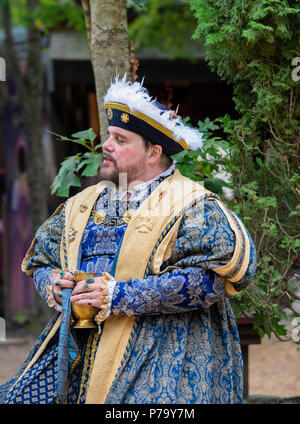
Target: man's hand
(62, 280)
(88, 292)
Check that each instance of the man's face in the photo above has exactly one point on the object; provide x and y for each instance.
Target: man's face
(123, 152)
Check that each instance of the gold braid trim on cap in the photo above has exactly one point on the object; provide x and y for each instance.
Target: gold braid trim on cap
(150, 121)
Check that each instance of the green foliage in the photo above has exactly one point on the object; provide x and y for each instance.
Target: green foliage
(166, 25)
(251, 44)
(83, 164)
(204, 164)
(48, 14)
(137, 5)
(22, 317)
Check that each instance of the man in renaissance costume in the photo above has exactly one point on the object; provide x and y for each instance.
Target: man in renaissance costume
(167, 255)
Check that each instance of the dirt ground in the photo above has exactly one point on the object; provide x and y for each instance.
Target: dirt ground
(274, 367)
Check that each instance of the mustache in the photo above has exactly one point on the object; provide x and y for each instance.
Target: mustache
(108, 156)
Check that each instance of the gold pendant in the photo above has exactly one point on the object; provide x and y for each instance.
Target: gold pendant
(128, 215)
(98, 216)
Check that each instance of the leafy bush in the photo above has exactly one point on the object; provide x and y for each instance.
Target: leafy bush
(251, 45)
(88, 163)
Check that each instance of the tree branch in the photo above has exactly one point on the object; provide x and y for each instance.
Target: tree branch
(87, 17)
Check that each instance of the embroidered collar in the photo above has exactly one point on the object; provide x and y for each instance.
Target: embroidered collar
(138, 191)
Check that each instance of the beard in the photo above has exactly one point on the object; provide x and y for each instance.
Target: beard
(113, 174)
(109, 175)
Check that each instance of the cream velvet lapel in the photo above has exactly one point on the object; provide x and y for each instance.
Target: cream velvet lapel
(77, 213)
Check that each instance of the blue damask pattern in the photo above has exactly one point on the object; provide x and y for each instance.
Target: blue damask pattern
(99, 246)
(38, 385)
(4, 389)
(47, 248)
(204, 241)
(42, 279)
(190, 351)
(184, 358)
(176, 291)
(185, 346)
(204, 238)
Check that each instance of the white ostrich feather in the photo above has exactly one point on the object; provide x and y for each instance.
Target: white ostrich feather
(136, 97)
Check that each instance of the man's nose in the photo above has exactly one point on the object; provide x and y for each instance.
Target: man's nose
(108, 145)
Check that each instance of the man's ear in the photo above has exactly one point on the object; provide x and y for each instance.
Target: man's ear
(155, 153)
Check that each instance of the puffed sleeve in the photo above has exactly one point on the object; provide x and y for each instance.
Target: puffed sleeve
(206, 243)
(44, 255)
(45, 247)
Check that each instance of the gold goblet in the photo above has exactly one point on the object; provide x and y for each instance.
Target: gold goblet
(85, 314)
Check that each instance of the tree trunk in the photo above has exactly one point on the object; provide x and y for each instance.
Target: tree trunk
(30, 91)
(109, 48)
(33, 124)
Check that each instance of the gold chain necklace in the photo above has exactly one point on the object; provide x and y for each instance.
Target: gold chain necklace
(99, 217)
